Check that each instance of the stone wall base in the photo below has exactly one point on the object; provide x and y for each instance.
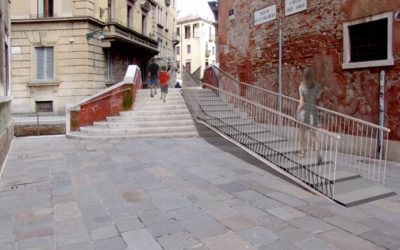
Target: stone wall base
(42, 129)
(5, 142)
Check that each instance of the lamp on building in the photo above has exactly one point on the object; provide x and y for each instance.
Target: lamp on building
(397, 16)
(99, 32)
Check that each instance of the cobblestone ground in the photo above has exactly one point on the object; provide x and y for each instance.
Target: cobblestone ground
(57, 193)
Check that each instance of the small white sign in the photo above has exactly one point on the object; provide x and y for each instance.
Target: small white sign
(231, 14)
(15, 50)
(294, 6)
(265, 15)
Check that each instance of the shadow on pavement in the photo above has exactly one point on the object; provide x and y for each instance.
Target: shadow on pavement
(221, 143)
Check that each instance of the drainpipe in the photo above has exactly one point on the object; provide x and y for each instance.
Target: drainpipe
(381, 112)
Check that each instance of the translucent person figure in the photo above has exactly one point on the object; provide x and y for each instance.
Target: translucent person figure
(310, 94)
(163, 77)
(153, 75)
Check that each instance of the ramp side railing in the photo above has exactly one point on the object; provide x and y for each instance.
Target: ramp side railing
(272, 135)
(363, 145)
(108, 102)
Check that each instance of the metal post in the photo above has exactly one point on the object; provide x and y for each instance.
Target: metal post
(381, 112)
(280, 67)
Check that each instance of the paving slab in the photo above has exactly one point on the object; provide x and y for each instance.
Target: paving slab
(204, 226)
(228, 241)
(141, 194)
(286, 213)
(259, 236)
(140, 240)
(344, 240)
(179, 241)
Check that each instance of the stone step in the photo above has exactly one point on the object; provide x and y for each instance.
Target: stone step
(357, 191)
(147, 94)
(159, 102)
(167, 106)
(157, 97)
(130, 130)
(144, 124)
(80, 135)
(153, 112)
(149, 118)
(216, 108)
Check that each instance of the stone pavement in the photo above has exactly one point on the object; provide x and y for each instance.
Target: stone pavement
(197, 193)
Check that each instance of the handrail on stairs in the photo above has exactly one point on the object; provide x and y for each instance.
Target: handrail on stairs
(260, 128)
(107, 102)
(363, 145)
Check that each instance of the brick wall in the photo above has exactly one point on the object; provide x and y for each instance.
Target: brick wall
(310, 38)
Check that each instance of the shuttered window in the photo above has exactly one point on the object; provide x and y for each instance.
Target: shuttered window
(44, 63)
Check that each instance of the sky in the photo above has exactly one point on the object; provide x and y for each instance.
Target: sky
(194, 7)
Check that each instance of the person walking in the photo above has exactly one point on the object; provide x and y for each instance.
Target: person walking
(153, 75)
(307, 112)
(163, 77)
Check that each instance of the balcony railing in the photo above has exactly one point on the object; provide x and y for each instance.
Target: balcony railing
(117, 31)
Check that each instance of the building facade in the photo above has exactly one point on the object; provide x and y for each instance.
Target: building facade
(6, 126)
(196, 49)
(63, 51)
(349, 44)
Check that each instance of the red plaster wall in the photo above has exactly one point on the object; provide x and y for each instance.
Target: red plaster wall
(311, 38)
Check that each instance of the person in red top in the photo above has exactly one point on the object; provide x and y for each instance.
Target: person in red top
(163, 78)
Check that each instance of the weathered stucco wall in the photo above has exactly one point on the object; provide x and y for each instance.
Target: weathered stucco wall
(311, 38)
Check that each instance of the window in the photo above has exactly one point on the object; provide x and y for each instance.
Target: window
(188, 49)
(188, 67)
(159, 15)
(7, 68)
(187, 32)
(45, 8)
(44, 63)
(213, 50)
(207, 64)
(368, 42)
(110, 10)
(178, 66)
(144, 25)
(109, 66)
(178, 50)
(129, 16)
(44, 106)
(178, 31)
(196, 30)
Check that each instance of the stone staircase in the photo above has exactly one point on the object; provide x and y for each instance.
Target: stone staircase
(151, 117)
(350, 187)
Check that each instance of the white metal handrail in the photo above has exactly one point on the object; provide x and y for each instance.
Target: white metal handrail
(272, 135)
(362, 148)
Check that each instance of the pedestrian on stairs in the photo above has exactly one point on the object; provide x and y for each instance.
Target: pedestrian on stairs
(163, 77)
(153, 75)
(307, 112)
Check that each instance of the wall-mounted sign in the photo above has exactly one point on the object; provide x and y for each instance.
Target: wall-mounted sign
(15, 50)
(294, 6)
(265, 15)
(231, 14)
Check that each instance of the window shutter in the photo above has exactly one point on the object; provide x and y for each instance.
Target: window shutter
(49, 63)
(39, 63)
(45, 63)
